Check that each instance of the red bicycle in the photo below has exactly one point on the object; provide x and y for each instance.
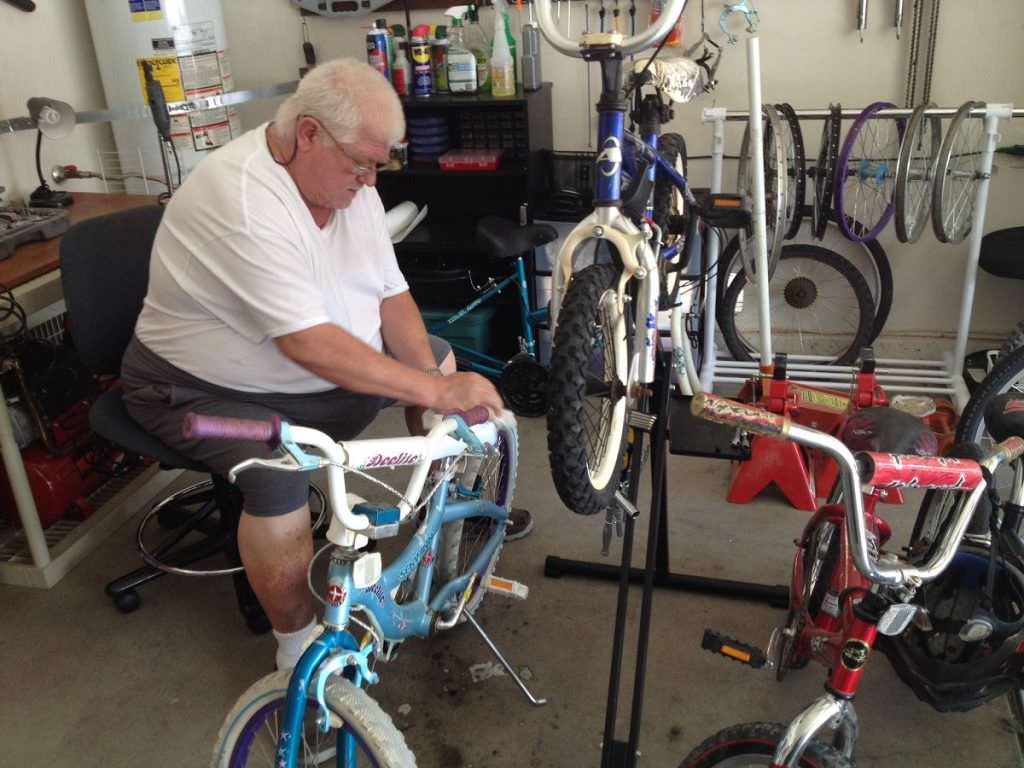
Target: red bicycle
(845, 589)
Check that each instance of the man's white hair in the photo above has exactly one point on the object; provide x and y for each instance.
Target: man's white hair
(342, 94)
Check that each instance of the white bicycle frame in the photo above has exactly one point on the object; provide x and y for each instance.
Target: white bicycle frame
(370, 454)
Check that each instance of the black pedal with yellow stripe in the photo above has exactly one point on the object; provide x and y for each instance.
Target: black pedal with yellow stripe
(733, 649)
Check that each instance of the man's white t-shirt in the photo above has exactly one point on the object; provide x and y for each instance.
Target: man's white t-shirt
(238, 261)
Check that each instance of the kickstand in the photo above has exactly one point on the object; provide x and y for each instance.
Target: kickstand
(508, 668)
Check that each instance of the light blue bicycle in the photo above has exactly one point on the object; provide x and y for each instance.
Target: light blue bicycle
(460, 491)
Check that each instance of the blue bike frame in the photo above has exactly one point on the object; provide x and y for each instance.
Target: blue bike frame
(483, 363)
(394, 622)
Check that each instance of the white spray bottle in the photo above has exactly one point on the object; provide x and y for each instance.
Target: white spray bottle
(462, 74)
(503, 67)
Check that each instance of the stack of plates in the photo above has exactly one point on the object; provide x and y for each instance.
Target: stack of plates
(428, 136)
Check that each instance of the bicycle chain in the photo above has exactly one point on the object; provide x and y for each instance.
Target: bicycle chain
(915, 41)
(933, 33)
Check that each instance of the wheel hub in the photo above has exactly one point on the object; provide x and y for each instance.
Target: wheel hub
(801, 292)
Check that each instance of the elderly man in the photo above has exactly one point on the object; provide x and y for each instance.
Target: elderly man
(274, 289)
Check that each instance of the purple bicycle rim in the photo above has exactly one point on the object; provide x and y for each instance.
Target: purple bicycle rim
(839, 182)
(240, 754)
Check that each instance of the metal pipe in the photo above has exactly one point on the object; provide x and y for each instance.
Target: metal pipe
(851, 114)
(711, 297)
(756, 147)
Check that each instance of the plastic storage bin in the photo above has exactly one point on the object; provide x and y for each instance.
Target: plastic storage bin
(473, 330)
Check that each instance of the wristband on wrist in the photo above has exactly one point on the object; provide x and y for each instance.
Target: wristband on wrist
(435, 371)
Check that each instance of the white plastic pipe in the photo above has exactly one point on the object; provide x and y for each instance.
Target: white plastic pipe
(992, 115)
(714, 250)
(756, 149)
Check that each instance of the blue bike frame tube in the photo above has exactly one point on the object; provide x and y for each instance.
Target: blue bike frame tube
(290, 739)
(611, 111)
(524, 307)
(651, 139)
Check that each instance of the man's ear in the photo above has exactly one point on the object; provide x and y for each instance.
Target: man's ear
(306, 130)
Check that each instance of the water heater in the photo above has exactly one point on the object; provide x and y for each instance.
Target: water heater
(185, 45)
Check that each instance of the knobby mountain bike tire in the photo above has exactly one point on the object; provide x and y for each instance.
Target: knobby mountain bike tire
(812, 286)
(249, 734)
(668, 201)
(868, 256)
(494, 480)
(757, 742)
(589, 371)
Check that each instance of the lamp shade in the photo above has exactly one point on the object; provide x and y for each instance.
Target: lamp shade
(55, 119)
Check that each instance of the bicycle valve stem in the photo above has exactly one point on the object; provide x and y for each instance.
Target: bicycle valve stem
(862, 17)
(898, 18)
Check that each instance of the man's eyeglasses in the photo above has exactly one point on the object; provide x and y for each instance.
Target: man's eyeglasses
(359, 169)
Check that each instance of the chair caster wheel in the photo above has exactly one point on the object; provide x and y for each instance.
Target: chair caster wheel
(127, 602)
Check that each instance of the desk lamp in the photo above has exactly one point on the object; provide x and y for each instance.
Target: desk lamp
(55, 120)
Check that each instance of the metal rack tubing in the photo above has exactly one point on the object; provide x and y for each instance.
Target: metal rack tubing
(710, 114)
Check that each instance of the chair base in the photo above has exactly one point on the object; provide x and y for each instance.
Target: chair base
(210, 508)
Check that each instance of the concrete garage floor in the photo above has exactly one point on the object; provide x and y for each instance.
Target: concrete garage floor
(84, 685)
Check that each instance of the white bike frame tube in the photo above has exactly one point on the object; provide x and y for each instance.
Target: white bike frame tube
(756, 147)
(417, 452)
(707, 380)
(992, 114)
(629, 45)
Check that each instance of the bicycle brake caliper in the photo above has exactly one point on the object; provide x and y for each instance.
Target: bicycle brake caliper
(336, 665)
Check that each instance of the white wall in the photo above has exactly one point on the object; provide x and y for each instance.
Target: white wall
(810, 56)
(48, 53)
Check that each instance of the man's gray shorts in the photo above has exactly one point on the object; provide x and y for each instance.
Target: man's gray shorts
(158, 395)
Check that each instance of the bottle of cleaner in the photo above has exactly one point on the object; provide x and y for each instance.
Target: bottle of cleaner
(461, 61)
(478, 43)
(503, 78)
(401, 69)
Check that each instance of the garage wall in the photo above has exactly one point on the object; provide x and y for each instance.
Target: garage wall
(805, 45)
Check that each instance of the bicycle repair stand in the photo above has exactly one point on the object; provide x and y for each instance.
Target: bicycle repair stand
(655, 573)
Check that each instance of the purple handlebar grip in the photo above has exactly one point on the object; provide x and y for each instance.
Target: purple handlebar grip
(197, 426)
(473, 416)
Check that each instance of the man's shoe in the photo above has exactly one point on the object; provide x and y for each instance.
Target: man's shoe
(521, 523)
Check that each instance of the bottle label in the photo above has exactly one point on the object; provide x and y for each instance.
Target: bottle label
(461, 73)
(502, 81)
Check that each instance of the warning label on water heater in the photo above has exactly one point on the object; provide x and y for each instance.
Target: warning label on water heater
(145, 10)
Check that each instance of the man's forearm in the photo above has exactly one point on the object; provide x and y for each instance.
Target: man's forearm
(339, 357)
(404, 334)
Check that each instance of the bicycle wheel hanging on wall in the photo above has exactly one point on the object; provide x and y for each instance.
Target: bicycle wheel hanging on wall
(775, 182)
(824, 171)
(915, 173)
(957, 175)
(796, 169)
(866, 173)
(820, 305)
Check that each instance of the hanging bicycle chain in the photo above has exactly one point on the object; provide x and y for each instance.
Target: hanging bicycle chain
(933, 33)
(915, 42)
(915, 52)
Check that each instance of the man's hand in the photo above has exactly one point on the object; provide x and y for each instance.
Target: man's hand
(462, 391)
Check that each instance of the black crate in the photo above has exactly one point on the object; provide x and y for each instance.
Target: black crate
(568, 193)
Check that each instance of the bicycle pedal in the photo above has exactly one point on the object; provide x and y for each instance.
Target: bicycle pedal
(507, 587)
(733, 649)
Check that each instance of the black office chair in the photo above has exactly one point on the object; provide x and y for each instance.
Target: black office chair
(104, 265)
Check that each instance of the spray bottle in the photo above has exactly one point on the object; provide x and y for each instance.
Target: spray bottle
(503, 78)
(462, 72)
(477, 42)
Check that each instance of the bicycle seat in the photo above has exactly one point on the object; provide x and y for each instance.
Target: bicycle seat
(504, 239)
(887, 430)
(1001, 253)
(1004, 416)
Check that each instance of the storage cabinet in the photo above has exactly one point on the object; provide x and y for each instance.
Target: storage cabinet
(446, 239)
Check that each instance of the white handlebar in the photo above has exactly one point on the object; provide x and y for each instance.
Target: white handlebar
(627, 45)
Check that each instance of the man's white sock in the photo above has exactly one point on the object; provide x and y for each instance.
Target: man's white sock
(290, 645)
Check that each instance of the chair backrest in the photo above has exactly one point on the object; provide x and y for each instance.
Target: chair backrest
(104, 264)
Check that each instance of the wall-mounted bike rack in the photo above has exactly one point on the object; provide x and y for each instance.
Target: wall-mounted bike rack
(896, 375)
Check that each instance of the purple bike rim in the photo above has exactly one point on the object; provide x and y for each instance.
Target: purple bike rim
(240, 754)
(839, 182)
